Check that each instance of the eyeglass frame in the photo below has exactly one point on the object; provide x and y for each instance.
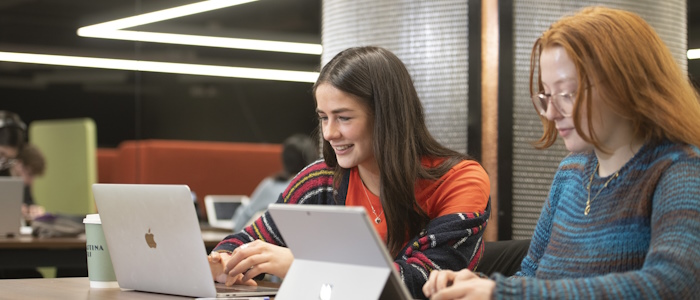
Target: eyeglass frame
(554, 99)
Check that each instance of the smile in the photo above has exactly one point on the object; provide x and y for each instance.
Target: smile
(342, 148)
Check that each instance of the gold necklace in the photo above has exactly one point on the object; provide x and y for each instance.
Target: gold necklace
(588, 203)
(376, 217)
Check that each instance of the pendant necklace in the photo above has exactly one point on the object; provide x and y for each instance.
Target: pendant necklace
(376, 217)
(588, 203)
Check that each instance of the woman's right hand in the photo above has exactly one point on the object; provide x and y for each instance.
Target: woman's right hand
(217, 261)
(463, 285)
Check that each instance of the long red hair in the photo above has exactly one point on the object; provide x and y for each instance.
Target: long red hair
(633, 71)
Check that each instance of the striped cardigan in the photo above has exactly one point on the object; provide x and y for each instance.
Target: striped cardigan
(449, 242)
(641, 239)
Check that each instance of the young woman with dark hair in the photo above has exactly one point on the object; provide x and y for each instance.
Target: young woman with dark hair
(429, 203)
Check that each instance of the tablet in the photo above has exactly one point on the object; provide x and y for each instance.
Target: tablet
(220, 209)
(337, 254)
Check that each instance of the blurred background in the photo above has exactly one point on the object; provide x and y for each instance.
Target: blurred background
(130, 105)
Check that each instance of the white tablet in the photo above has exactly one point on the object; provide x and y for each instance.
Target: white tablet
(337, 255)
(220, 209)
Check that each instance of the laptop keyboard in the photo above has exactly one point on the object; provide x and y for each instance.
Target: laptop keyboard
(222, 288)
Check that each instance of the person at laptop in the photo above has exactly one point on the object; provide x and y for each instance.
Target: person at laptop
(12, 140)
(622, 220)
(297, 152)
(429, 203)
(30, 164)
(12, 137)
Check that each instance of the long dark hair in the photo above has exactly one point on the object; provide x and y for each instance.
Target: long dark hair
(401, 138)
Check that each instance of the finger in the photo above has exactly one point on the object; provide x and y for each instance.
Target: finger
(222, 278)
(429, 286)
(250, 282)
(459, 290)
(247, 264)
(254, 271)
(214, 257)
(444, 279)
(239, 254)
(231, 280)
(465, 275)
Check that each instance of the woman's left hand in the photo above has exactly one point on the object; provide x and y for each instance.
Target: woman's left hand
(458, 285)
(257, 257)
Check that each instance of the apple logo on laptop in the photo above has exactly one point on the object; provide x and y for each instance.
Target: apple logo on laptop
(326, 290)
(149, 239)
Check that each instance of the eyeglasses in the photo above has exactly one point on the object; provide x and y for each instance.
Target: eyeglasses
(563, 103)
(6, 163)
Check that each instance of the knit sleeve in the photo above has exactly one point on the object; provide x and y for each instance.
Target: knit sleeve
(451, 242)
(262, 229)
(313, 185)
(539, 242)
(540, 237)
(671, 269)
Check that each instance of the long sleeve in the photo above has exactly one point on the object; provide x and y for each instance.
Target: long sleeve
(267, 192)
(313, 185)
(670, 266)
(452, 242)
(540, 237)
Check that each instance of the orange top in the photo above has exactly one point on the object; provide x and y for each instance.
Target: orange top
(464, 188)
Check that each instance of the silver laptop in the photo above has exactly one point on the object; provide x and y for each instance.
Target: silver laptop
(155, 241)
(220, 209)
(337, 255)
(11, 195)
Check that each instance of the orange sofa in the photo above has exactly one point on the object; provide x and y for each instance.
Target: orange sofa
(208, 168)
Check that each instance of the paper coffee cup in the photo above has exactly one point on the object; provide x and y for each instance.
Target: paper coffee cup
(100, 269)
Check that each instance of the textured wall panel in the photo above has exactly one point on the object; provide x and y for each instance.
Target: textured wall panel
(430, 37)
(533, 169)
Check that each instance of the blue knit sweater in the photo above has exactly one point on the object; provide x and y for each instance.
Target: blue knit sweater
(641, 239)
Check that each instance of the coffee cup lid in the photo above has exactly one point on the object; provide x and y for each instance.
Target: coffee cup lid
(92, 219)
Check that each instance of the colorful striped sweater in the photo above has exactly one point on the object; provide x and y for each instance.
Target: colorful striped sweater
(451, 241)
(641, 239)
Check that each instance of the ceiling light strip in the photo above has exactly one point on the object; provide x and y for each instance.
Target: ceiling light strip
(115, 30)
(162, 67)
(694, 53)
(166, 14)
(209, 41)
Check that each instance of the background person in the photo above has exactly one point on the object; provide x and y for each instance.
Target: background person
(429, 203)
(12, 139)
(298, 151)
(622, 219)
(30, 164)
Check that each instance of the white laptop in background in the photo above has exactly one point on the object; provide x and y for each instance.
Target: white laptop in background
(11, 195)
(337, 255)
(155, 241)
(220, 209)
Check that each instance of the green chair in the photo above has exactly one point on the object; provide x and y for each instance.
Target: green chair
(69, 146)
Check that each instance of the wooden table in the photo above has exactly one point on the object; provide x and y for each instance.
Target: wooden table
(30, 252)
(69, 288)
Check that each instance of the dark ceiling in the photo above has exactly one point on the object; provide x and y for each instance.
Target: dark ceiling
(49, 26)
